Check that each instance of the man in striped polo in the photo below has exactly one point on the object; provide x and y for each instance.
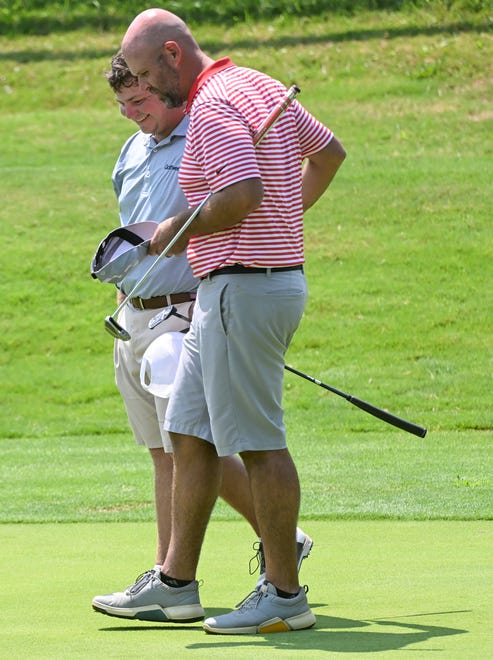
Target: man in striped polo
(145, 180)
(246, 246)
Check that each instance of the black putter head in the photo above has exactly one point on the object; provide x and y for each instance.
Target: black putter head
(115, 329)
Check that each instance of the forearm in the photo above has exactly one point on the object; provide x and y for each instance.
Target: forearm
(224, 209)
(227, 207)
(319, 170)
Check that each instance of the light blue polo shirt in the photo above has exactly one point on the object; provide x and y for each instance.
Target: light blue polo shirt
(145, 180)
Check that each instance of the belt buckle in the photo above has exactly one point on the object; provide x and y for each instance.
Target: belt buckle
(139, 303)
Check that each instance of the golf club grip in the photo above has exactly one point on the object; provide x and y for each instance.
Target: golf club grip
(387, 417)
(274, 114)
(364, 405)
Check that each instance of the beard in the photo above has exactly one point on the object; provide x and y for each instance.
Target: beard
(169, 86)
(170, 99)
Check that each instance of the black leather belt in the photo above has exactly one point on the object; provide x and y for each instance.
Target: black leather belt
(162, 301)
(238, 269)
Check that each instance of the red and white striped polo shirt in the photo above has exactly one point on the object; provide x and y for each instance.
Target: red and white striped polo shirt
(226, 107)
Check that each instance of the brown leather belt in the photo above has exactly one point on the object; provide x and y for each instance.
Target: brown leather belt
(162, 301)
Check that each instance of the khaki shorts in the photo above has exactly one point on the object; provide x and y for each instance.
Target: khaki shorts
(232, 364)
(145, 412)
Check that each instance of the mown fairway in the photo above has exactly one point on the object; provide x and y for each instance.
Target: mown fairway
(378, 589)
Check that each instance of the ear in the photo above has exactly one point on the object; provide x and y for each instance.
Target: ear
(172, 52)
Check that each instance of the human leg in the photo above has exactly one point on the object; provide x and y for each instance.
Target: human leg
(255, 317)
(235, 489)
(258, 316)
(146, 416)
(196, 484)
(196, 479)
(276, 498)
(146, 412)
(278, 604)
(163, 479)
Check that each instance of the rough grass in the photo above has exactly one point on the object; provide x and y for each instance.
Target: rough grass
(399, 267)
(45, 16)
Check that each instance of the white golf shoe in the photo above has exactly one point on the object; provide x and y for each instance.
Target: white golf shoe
(304, 544)
(263, 611)
(149, 599)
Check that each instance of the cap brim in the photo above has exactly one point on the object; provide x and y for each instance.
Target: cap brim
(121, 250)
(116, 269)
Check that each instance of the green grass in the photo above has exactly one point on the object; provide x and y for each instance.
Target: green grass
(44, 16)
(105, 478)
(378, 589)
(399, 268)
(399, 258)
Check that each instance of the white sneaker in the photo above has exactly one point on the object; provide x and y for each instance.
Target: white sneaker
(149, 599)
(304, 544)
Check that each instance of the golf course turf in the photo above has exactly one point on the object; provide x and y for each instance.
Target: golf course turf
(377, 588)
(399, 268)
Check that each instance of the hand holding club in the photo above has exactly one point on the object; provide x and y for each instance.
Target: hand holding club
(166, 231)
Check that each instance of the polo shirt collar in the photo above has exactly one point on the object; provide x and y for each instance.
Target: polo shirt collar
(179, 131)
(215, 67)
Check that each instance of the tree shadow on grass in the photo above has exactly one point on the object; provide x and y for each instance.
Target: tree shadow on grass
(213, 47)
(334, 634)
(104, 21)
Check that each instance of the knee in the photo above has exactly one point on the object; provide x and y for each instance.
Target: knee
(273, 460)
(188, 447)
(160, 458)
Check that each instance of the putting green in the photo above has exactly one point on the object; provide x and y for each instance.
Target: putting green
(379, 588)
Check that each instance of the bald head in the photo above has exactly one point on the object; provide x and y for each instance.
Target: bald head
(152, 28)
(161, 51)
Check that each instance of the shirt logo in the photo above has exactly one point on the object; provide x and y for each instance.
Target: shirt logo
(171, 167)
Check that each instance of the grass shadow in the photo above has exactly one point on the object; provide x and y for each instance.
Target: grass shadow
(168, 627)
(338, 636)
(333, 634)
(212, 46)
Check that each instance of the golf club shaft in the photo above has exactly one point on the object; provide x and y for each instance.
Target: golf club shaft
(364, 405)
(260, 134)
